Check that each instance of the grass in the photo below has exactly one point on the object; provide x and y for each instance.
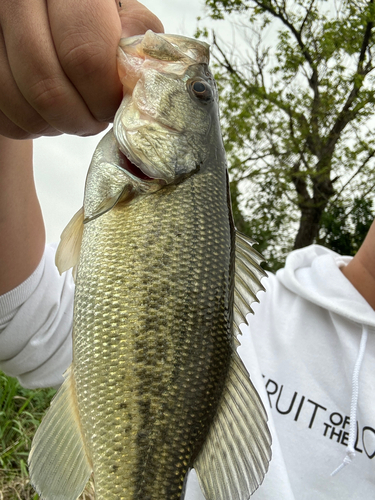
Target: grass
(21, 411)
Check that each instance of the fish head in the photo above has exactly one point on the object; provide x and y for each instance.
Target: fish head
(169, 107)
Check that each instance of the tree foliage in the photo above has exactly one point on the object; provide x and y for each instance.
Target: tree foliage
(298, 116)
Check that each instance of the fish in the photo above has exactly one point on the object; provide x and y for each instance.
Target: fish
(163, 281)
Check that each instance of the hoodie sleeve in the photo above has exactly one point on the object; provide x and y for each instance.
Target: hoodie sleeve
(35, 326)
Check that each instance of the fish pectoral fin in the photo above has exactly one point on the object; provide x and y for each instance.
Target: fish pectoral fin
(235, 456)
(105, 205)
(58, 463)
(68, 251)
(248, 274)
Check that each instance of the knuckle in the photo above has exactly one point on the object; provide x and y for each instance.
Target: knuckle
(47, 95)
(83, 56)
(20, 121)
(58, 111)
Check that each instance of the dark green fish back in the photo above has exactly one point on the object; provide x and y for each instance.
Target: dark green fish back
(153, 334)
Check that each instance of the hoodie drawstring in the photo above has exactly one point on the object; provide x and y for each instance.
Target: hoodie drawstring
(350, 452)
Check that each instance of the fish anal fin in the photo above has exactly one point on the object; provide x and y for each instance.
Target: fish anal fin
(68, 251)
(58, 462)
(235, 456)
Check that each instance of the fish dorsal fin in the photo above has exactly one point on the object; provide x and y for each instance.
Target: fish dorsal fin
(58, 463)
(248, 274)
(68, 251)
(235, 456)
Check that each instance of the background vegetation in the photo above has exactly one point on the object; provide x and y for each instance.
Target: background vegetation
(297, 102)
(21, 411)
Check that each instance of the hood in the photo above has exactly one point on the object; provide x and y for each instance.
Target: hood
(314, 273)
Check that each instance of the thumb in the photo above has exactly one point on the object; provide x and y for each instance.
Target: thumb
(136, 19)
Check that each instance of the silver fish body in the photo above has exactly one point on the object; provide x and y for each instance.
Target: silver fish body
(156, 386)
(154, 340)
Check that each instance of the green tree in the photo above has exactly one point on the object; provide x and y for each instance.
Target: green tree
(296, 110)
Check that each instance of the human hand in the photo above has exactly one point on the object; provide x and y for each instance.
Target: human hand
(58, 63)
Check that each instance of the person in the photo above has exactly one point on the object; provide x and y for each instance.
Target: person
(57, 75)
(309, 330)
(310, 348)
(58, 70)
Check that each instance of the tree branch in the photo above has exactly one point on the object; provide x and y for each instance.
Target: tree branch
(261, 91)
(364, 163)
(346, 114)
(300, 185)
(365, 44)
(289, 25)
(306, 17)
(313, 79)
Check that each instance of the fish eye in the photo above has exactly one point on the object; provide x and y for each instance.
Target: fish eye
(201, 90)
(199, 87)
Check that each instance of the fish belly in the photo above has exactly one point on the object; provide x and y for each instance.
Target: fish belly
(152, 336)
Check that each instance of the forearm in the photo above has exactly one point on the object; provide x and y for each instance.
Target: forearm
(21, 223)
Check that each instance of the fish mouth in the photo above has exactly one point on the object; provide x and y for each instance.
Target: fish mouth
(157, 50)
(132, 169)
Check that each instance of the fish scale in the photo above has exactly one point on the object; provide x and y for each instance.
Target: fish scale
(164, 281)
(169, 340)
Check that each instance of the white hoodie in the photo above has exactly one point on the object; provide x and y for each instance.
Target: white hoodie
(301, 353)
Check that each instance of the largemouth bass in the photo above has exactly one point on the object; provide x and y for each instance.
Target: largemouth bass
(163, 281)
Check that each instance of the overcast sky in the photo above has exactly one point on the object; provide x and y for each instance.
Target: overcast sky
(61, 163)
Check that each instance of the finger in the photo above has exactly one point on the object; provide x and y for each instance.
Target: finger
(37, 71)
(9, 129)
(86, 36)
(19, 119)
(136, 19)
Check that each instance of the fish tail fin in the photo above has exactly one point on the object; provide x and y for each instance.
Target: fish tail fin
(235, 456)
(58, 463)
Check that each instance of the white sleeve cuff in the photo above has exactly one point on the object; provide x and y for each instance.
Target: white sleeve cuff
(35, 326)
